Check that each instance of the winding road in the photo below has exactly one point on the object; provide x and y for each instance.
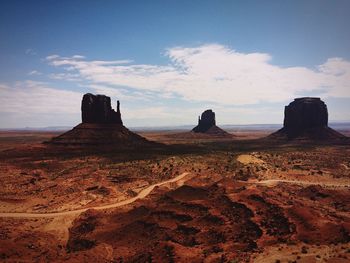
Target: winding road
(249, 158)
(272, 182)
(145, 192)
(142, 194)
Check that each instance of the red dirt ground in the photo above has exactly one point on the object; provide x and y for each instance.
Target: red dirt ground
(240, 201)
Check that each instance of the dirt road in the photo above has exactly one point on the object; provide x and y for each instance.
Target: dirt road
(142, 194)
(145, 192)
(272, 182)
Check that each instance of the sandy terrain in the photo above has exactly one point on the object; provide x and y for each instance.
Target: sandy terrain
(186, 137)
(142, 194)
(249, 158)
(203, 200)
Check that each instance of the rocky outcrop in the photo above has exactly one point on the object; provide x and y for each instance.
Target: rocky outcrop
(100, 125)
(207, 124)
(306, 118)
(205, 121)
(97, 109)
(303, 114)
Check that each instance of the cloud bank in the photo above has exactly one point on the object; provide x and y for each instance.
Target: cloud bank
(212, 73)
(32, 103)
(240, 87)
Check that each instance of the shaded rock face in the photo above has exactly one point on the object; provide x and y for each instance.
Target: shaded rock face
(306, 118)
(205, 122)
(303, 114)
(97, 109)
(101, 125)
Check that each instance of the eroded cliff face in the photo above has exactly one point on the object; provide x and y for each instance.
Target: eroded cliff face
(207, 125)
(205, 122)
(306, 118)
(97, 109)
(303, 114)
(100, 125)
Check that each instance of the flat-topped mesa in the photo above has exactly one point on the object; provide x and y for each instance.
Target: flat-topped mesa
(97, 109)
(306, 118)
(205, 122)
(303, 114)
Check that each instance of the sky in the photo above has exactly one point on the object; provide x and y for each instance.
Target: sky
(168, 61)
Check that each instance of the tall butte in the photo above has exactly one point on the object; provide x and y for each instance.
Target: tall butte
(306, 118)
(207, 125)
(97, 109)
(100, 125)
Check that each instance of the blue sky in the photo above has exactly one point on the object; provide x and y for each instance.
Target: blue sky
(167, 61)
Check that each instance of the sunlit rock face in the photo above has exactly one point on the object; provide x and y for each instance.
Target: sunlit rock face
(205, 122)
(97, 109)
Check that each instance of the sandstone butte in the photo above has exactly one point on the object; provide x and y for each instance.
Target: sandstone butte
(207, 125)
(306, 118)
(100, 125)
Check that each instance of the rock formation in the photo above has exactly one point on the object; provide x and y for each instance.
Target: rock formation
(207, 124)
(100, 125)
(306, 118)
(303, 114)
(97, 109)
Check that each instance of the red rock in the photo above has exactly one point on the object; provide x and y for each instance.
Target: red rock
(97, 109)
(207, 124)
(100, 125)
(306, 118)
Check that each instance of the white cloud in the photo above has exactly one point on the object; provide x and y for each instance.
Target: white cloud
(52, 57)
(166, 115)
(237, 86)
(78, 57)
(36, 104)
(34, 73)
(33, 97)
(30, 51)
(65, 76)
(118, 94)
(216, 74)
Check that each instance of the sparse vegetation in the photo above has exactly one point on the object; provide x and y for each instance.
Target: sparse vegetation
(225, 203)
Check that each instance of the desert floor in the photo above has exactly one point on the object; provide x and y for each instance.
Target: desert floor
(195, 199)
